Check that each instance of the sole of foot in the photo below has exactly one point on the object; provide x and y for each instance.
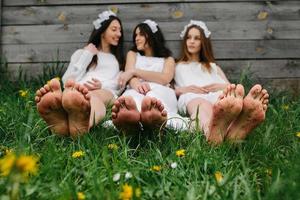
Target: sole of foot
(153, 115)
(225, 110)
(76, 102)
(49, 105)
(253, 113)
(125, 115)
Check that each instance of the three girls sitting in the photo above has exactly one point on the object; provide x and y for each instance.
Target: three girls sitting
(92, 81)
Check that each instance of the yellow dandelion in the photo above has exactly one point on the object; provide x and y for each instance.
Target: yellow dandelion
(8, 151)
(138, 192)
(27, 164)
(156, 168)
(269, 172)
(298, 134)
(219, 176)
(23, 93)
(180, 153)
(126, 193)
(113, 146)
(78, 154)
(7, 163)
(285, 107)
(80, 196)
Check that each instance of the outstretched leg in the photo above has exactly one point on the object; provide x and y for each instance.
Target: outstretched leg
(76, 102)
(49, 106)
(253, 113)
(225, 110)
(125, 114)
(153, 114)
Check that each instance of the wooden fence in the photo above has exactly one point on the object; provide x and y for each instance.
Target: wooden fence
(261, 35)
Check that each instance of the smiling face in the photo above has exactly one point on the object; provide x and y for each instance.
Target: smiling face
(113, 33)
(140, 40)
(193, 41)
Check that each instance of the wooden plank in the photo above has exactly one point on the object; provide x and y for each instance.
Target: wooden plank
(217, 11)
(259, 69)
(80, 2)
(291, 84)
(256, 49)
(262, 68)
(44, 34)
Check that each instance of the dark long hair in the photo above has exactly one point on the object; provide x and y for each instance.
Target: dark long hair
(155, 40)
(206, 55)
(95, 38)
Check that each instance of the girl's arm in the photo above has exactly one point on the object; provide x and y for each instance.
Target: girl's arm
(163, 77)
(79, 62)
(222, 74)
(214, 87)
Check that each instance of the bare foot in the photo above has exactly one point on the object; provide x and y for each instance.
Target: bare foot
(225, 110)
(125, 115)
(253, 113)
(49, 106)
(76, 102)
(153, 114)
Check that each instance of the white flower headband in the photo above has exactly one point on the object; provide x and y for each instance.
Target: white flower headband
(152, 24)
(102, 17)
(201, 24)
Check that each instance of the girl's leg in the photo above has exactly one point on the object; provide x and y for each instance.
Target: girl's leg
(204, 109)
(99, 99)
(49, 106)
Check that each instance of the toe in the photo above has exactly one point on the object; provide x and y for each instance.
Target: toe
(69, 83)
(239, 92)
(43, 91)
(232, 89)
(55, 84)
(37, 99)
(38, 93)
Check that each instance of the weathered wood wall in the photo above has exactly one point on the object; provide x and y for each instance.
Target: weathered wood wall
(262, 35)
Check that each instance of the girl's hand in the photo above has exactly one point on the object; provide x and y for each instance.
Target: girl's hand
(91, 48)
(95, 84)
(142, 88)
(214, 87)
(124, 77)
(191, 89)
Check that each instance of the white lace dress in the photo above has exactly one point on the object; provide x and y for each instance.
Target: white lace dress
(161, 92)
(194, 73)
(107, 70)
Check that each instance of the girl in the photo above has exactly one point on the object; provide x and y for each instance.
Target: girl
(149, 69)
(90, 81)
(199, 85)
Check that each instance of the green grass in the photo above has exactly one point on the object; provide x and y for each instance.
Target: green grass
(272, 146)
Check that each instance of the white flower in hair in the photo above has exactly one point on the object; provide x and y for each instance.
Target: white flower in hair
(102, 17)
(200, 24)
(152, 24)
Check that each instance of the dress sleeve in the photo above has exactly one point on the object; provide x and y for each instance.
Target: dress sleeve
(78, 65)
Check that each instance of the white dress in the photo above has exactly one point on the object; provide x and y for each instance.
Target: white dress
(107, 70)
(163, 93)
(194, 73)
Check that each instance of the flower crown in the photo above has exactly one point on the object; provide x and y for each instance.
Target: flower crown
(152, 24)
(200, 24)
(102, 17)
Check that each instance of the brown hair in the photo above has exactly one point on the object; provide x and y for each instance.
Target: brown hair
(95, 38)
(206, 55)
